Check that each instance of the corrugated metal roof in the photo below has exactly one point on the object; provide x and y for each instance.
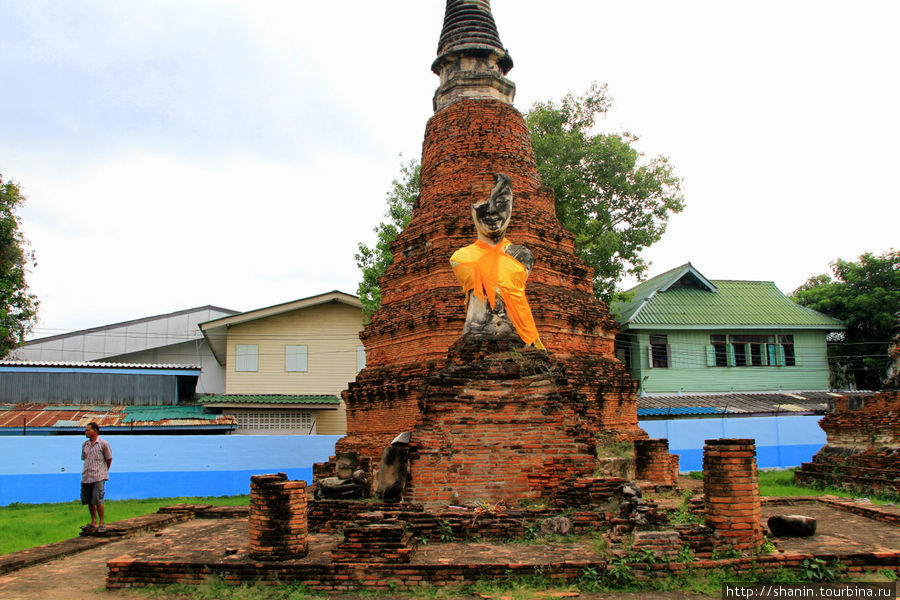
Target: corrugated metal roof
(747, 403)
(134, 414)
(269, 399)
(96, 365)
(33, 416)
(682, 297)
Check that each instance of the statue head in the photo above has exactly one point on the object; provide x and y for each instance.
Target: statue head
(492, 216)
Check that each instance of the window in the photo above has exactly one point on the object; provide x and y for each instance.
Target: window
(360, 358)
(295, 358)
(787, 349)
(744, 350)
(247, 357)
(659, 351)
(719, 350)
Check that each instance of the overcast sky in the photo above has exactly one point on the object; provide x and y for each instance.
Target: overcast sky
(178, 153)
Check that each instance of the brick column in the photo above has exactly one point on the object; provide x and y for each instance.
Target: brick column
(652, 462)
(731, 493)
(278, 528)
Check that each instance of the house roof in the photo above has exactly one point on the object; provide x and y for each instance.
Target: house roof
(215, 331)
(270, 399)
(128, 323)
(743, 404)
(71, 418)
(683, 298)
(88, 367)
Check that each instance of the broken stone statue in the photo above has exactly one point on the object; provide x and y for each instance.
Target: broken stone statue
(493, 272)
(393, 469)
(350, 481)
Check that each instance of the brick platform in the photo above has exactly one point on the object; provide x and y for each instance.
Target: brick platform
(177, 559)
(731, 493)
(863, 446)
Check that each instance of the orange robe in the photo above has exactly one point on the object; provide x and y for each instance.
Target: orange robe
(485, 270)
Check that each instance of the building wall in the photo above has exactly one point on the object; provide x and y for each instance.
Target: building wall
(134, 388)
(331, 334)
(781, 442)
(688, 370)
(48, 468)
(132, 337)
(194, 352)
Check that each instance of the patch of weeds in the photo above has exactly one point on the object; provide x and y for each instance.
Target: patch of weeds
(216, 588)
(445, 530)
(599, 544)
(532, 530)
(720, 553)
(515, 586)
(767, 547)
(532, 503)
(684, 514)
(888, 574)
(685, 555)
(697, 475)
(610, 447)
(817, 570)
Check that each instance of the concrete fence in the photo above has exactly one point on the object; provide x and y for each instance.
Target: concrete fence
(42, 469)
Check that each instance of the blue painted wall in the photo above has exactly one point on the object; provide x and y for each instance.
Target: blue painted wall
(48, 468)
(42, 469)
(781, 442)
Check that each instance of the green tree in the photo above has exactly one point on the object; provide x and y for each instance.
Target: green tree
(615, 201)
(18, 307)
(373, 261)
(863, 294)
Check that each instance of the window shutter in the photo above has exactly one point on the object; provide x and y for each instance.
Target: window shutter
(650, 356)
(780, 360)
(360, 358)
(730, 358)
(710, 356)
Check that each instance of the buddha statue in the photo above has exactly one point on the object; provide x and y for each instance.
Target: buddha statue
(493, 272)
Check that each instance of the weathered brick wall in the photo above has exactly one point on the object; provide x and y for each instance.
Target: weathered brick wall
(863, 446)
(500, 523)
(385, 542)
(278, 526)
(505, 427)
(731, 493)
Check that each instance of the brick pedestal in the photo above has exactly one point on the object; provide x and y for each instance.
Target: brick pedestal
(278, 528)
(388, 543)
(652, 462)
(731, 492)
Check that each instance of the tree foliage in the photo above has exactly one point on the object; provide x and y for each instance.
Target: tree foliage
(373, 261)
(615, 201)
(863, 294)
(18, 307)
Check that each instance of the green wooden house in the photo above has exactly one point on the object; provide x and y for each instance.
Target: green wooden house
(681, 333)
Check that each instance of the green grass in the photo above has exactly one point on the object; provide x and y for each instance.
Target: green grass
(781, 483)
(28, 525)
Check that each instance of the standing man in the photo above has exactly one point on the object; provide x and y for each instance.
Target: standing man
(97, 457)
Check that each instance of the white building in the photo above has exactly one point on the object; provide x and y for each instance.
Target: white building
(172, 338)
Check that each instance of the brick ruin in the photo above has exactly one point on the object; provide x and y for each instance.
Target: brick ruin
(411, 382)
(862, 451)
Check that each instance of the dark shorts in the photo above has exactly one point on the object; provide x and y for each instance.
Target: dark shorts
(92, 493)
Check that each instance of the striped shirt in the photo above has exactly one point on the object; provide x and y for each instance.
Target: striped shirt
(95, 456)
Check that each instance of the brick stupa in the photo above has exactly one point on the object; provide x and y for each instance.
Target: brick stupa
(552, 405)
